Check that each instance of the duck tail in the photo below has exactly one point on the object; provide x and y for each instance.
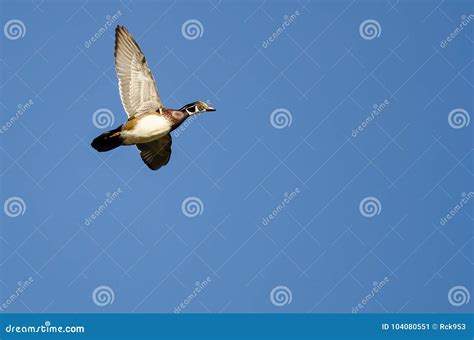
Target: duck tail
(108, 140)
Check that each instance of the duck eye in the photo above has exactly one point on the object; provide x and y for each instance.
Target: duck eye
(201, 108)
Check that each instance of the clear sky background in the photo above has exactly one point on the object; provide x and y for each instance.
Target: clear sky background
(284, 128)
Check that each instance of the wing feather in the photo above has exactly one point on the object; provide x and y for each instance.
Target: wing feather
(136, 83)
(157, 153)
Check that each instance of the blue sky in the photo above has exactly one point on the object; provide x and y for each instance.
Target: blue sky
(271, 204)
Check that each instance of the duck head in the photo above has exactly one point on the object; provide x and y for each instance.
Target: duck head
(196, 108)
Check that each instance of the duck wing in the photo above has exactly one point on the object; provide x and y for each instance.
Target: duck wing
(157, 153)
(137, 86)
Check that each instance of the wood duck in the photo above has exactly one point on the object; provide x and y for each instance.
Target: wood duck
(149, 123)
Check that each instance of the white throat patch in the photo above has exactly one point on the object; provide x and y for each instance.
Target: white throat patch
(192, 111)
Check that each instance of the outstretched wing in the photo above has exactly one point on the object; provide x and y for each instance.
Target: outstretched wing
(157, 153)
(136, 83)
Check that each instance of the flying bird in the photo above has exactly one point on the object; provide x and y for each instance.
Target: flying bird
(149, 123)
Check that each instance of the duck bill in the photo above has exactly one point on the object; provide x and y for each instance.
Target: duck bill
(211, 109)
